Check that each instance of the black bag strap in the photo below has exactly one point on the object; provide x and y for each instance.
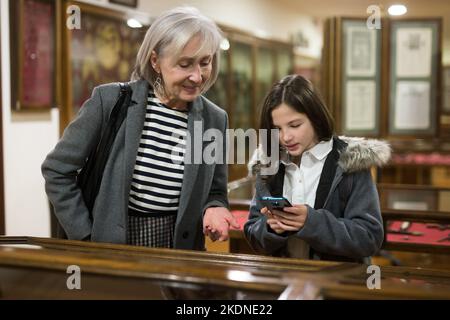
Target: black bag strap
(90, 177)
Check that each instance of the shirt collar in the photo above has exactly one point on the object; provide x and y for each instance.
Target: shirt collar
(319, 151)
(322, 149)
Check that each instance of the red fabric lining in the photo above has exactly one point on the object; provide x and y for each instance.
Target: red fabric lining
(430, 235)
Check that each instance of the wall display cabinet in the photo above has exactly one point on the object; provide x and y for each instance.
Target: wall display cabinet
(386, 84)
(249, 68)
(360, 85)
(218, 92)
(414, 77)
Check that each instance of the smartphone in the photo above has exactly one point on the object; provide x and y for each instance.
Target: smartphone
(277, 203)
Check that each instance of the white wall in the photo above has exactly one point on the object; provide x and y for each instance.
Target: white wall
(27, 139)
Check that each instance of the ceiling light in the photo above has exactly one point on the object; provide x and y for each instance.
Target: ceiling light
(225, 44)
(397, 10)
(133, 23)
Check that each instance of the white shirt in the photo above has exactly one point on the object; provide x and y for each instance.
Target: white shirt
(300, 183)
(300, 187)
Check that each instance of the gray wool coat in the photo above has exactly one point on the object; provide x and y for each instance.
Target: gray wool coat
(345, 223)
(204, 185)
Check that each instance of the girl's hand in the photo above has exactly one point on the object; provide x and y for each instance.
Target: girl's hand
(291, 218)
(271, 221)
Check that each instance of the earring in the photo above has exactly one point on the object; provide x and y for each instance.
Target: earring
(157, 85)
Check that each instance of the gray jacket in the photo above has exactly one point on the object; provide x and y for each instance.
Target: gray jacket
(345, 223)
(203, 185)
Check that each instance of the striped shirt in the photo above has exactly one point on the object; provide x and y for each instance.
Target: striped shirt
(158, 172)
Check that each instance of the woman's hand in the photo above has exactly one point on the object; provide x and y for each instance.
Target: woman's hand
(290, 219)
(216, 223)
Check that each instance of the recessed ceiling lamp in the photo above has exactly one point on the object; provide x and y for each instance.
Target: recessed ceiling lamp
(225, 44)
(397, 10)
(133, 23)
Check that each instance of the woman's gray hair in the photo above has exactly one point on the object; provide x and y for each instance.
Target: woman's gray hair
(172, 30)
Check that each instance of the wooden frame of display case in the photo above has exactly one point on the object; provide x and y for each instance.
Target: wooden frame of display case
(434, 79)
(335, 75)
(363, 77)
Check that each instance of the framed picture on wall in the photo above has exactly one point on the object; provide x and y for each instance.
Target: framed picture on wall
(415, 57)
(361, 51)
(33, 54)
(413, 45)
(360, 105)
(412, 105)
(361, 74)
(128, 3)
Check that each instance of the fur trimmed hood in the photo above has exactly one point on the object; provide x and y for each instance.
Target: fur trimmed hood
(359, 154)
(362, 154)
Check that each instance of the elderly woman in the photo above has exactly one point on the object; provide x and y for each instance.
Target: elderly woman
(151, 193)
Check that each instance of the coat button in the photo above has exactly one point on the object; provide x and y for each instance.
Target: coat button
(185, 235)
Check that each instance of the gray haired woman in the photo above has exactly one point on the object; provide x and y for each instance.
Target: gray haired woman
(152, 193)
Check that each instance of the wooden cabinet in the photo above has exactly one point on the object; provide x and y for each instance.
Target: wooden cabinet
(250, 67)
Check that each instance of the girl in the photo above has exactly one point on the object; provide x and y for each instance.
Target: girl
(336, 211)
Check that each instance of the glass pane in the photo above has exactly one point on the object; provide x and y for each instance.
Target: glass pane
(218, 92)
(103, 50)
(264, 75)
(284, 61)
(242, 85)
(417, 200)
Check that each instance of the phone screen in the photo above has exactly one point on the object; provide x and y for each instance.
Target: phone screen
(277, 203)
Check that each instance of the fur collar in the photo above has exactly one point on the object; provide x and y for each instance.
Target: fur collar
(359, 154)
(362, 154)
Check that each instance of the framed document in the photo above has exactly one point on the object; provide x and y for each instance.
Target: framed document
(360, 51)
(412, 105)
(361, 74)
(35, 59)
(360, 112)
(414, 77)
(414, 48)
